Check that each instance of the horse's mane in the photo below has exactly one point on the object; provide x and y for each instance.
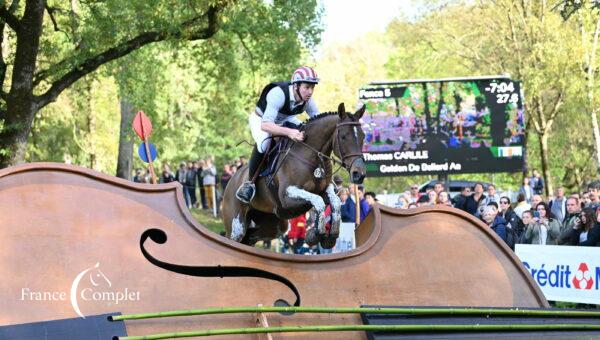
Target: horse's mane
(321, 115)
(328, 114)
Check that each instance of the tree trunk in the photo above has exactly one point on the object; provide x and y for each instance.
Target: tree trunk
(91, 138)
(125, 160)
(15, 133)
(545, 164)
(21, 106)
(91, 125)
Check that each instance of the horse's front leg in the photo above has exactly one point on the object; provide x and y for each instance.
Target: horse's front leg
(336, 208)
(240, 222)
(295, 193)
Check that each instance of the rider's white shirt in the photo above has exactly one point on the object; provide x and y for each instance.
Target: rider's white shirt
(276, 100)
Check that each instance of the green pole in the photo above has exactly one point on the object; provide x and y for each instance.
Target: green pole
(358, 310)
(343, 328)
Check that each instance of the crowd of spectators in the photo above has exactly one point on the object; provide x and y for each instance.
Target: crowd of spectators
(558, 219)
(202, 185)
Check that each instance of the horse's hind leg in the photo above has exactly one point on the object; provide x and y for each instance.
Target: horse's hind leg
(264, 226)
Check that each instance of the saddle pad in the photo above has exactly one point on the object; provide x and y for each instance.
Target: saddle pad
(273, 157)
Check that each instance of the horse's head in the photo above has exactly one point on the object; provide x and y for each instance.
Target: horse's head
(348, 143)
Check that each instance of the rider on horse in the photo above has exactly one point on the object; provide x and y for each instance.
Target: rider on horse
(279, 103)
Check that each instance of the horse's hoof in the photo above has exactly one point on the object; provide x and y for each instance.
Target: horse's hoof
(328, 241)
(312, 237)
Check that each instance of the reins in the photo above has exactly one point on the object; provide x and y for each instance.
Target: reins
(336, 142)
(320, 155)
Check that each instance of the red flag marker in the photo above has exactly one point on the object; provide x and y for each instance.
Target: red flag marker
(142, 125)
(143, 128)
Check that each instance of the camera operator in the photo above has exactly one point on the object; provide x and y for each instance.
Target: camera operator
(573, 217)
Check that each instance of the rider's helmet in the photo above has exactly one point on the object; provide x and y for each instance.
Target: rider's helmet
(305, 74)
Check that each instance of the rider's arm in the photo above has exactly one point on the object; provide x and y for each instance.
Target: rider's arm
(275, 101)
(277, 130)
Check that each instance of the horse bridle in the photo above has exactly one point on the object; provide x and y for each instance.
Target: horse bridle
(339, 149)
(342, 161)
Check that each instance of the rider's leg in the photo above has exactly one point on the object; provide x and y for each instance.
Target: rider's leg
(254, 162)
(246, 191)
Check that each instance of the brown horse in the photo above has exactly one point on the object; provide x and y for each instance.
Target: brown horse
(302, 181)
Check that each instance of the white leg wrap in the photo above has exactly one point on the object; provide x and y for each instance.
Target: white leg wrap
(315, 200)
(336, 207)
(237, 229)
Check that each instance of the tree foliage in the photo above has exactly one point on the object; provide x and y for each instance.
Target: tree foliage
(197, 93)
(46, 54)
(528, 40)
(201, 81)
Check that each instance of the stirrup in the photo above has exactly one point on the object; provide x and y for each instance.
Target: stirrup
(246, 191)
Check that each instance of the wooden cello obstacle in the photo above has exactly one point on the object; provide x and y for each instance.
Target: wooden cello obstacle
(74, 242)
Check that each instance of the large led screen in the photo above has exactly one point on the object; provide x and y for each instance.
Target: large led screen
(435, 127)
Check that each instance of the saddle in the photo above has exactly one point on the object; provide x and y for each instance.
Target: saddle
(271, 158)
(276, 148)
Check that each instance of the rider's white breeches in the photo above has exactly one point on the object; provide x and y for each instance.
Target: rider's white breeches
(260, 137)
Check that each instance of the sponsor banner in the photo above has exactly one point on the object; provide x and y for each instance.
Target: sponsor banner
(443, 127)
(346, 240)
(564, 273)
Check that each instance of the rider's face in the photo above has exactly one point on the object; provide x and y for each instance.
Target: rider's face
(306, 91)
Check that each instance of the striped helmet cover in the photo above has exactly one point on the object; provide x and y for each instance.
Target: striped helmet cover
(305, 74)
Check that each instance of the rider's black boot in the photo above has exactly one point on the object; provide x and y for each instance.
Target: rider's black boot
(246, 191)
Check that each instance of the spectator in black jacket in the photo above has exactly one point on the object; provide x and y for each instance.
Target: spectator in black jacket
(571, 220)
(167, 174)
(472, 203)
(459, 200)
(190, 183)
(511, 217)
(587, 232)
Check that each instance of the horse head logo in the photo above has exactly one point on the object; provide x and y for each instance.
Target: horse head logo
(96, 278)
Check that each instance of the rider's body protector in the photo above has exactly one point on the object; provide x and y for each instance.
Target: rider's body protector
(278, 105)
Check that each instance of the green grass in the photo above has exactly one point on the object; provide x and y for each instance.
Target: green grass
(573, 305)
(207, 219)
(216, 225)
(562, 304)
